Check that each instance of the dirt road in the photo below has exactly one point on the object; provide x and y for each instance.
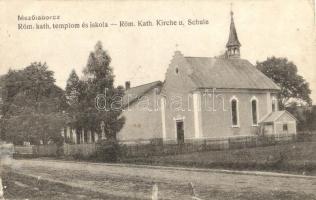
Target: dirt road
(132, 182)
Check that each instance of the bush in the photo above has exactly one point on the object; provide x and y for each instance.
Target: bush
(78, 155)
(305, 137)
(107, 150)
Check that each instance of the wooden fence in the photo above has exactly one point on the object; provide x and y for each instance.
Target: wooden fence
(79, 149)
(159, 148)
(23, 149)
(37, 150)
(205, 145)
(47, 150)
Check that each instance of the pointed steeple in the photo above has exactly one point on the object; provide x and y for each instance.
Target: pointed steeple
(233, 45)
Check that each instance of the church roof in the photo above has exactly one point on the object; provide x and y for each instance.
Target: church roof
(227, 73)
(233, 38)
(134, 93)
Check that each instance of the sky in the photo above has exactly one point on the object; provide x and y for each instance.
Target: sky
(281, 28)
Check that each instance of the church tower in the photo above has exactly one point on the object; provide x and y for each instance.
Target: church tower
(233, 45)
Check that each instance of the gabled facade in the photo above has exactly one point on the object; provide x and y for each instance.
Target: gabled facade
(279, 123)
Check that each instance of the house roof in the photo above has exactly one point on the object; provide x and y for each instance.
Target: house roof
(274, 116)
(133, 94)
(219, 73)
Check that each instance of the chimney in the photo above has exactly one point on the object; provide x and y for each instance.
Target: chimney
(127, 85)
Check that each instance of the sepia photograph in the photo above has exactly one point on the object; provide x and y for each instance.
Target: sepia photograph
(158, 100)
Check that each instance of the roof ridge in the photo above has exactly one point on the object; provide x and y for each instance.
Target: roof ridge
(198, 57)
(216, 57)
(145, 84)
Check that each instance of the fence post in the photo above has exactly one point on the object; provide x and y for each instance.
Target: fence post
(154, 195)
(66, 150)
(1, 190)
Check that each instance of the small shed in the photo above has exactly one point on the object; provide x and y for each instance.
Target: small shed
(279, 123)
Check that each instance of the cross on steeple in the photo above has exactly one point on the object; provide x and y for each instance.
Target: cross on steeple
(177, 46)
(233, 45)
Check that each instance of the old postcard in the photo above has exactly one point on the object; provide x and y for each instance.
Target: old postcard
(158, 99)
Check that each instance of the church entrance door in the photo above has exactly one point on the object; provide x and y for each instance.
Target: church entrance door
(180, 131)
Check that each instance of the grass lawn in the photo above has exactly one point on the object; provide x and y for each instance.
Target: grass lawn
(297, 158)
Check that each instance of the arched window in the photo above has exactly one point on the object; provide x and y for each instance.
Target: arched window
(274, 106)
(234, 112)
(254, 111)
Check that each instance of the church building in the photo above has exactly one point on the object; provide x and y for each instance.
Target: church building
(205, 98)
